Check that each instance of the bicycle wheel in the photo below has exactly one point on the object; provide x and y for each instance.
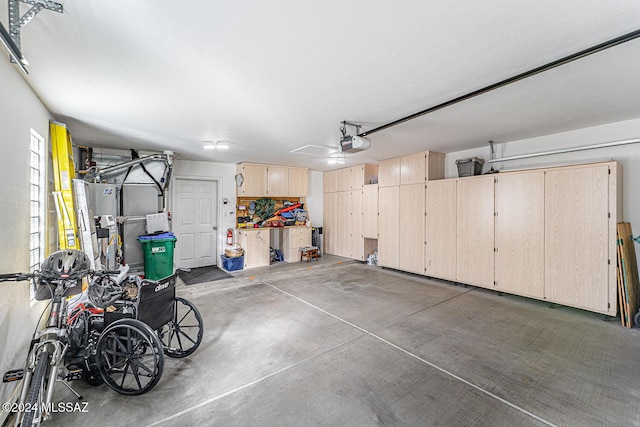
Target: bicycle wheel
(129, 357)
(36, 388)
(182, 335)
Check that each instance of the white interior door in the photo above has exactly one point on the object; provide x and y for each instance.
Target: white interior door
(196, 222)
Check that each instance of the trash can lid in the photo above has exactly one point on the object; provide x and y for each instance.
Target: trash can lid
(165, 235)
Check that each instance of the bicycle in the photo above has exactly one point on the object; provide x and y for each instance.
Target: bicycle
(58, 353)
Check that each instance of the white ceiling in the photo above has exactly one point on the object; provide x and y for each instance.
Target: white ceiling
(272, 76)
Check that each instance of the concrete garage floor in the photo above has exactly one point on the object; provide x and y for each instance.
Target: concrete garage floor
(353, 345)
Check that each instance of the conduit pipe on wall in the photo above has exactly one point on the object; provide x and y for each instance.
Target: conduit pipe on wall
(566, 150)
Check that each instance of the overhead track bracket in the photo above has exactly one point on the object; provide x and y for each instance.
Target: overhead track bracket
(11, 39)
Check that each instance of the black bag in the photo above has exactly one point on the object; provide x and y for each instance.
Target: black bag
(157, 302)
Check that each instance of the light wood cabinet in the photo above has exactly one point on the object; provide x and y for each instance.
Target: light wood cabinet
(271, 180)
(356, 243)
(254, 179)
(474, 231)
(329, 221)
(519, 233)
(411, 231)
(344, 211)
(389, 227)
(440, 229)
(362, 175)
(256, 245)
(343, 221)
(330, 181)
(277, 181)
(344, 179)
(356, 177)
(298, 182)
(389, 172)
(413, 168)
(578, 238)
(293, 238)
(370, 211)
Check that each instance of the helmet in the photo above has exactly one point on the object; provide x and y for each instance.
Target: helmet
(66, 264)
(104, 291)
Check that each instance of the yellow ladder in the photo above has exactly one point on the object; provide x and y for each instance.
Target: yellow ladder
(64, 172)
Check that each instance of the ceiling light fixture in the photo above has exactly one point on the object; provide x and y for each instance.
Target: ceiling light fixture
(337, 159)
(216, 145)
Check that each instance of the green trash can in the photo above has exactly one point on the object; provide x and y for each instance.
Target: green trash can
(158, 255)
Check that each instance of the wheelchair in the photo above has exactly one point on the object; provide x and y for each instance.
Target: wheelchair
(143, 320)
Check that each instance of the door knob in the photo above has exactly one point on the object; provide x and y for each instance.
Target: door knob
(215, 228)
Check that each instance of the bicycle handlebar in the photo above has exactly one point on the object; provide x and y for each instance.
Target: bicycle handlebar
(16, 277)
(20, 277)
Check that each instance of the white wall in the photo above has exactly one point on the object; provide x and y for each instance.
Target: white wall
(627, 155)
(20, 110)
(314, 204)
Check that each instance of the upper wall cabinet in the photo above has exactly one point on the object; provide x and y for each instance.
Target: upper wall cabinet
(389, 172)
(298, 182)
(330, 182)
(351, 178)
(277, 180)
(270, 180)
(251, 179)
(411, 169)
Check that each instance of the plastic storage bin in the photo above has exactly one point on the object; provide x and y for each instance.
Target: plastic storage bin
(233, 263)
(469, 167)
(158, 255)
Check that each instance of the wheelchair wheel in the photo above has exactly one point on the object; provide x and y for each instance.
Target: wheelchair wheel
(182, 335)
(129, 357)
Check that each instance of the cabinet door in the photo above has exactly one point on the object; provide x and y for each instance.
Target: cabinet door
(388, 241)
(255, 180)
(329, 223)
(298, 182)
(356, 177)
(330, 181)
(389, 172)
(343, 220)
(440, 251)
(411, 217)
(343, 179)
(370, 211)
(577, 237)
(355, 225)
(278, 181)
(293, 238)
(519, 233)
(256, 247)
(413, 169)
(475, 238)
